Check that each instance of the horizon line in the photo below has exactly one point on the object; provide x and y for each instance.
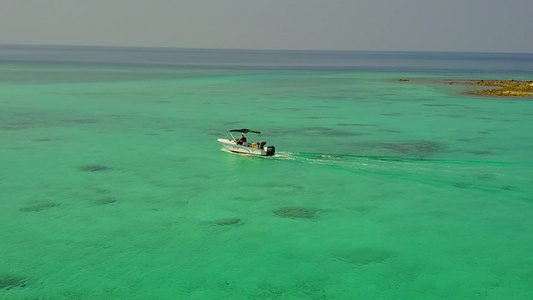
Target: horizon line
(253, 49)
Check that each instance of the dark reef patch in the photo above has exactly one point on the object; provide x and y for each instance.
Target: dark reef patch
(8, 282)
(508, 187)
(420, 148)
(315, 117)
(296, 213)
(13, 127)
(481, 152)
(101, 191)
(81, 121)
(95, 168)
(390, 130)
(463, 185)
(39, 207)
(248, 198)
(228, 222)
(363, 256)
(105, 200)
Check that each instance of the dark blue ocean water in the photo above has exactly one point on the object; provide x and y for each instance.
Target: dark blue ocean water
(439, 62)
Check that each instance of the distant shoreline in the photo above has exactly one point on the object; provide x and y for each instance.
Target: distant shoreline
(496, 88)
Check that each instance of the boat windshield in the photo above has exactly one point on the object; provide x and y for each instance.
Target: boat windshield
(255, 137)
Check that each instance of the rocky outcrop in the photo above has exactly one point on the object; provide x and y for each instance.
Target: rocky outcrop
(495, 88)
(509, 88)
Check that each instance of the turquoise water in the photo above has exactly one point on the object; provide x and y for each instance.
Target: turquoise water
(113, 185)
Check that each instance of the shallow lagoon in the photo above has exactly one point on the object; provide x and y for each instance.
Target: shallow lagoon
(114, 187)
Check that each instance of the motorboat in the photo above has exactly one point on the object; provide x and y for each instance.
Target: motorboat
(244, 145)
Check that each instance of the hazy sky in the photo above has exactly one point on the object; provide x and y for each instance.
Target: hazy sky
(434, 25)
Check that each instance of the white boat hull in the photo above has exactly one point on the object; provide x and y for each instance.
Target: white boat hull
(232, 146)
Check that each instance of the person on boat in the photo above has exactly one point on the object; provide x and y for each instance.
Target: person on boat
(242, 140)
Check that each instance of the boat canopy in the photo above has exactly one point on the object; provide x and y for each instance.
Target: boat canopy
(244, 131)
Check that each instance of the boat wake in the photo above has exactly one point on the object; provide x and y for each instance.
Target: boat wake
(348, 162)
(347, 159)
(423, 170)
(387, 164)
(471, 174)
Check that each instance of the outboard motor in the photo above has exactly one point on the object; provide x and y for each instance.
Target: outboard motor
(270, 150)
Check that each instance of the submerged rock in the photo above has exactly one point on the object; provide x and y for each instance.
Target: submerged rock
(9, 281)
(296, 213)
(39, 207)
(496, 88)
(463, 185)
(105, 200)
(363, 256)
(228, 222)
(420, 148)
(501, 88)
(508, 187)
(81, 121)
(95, 168)
(481, 152)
